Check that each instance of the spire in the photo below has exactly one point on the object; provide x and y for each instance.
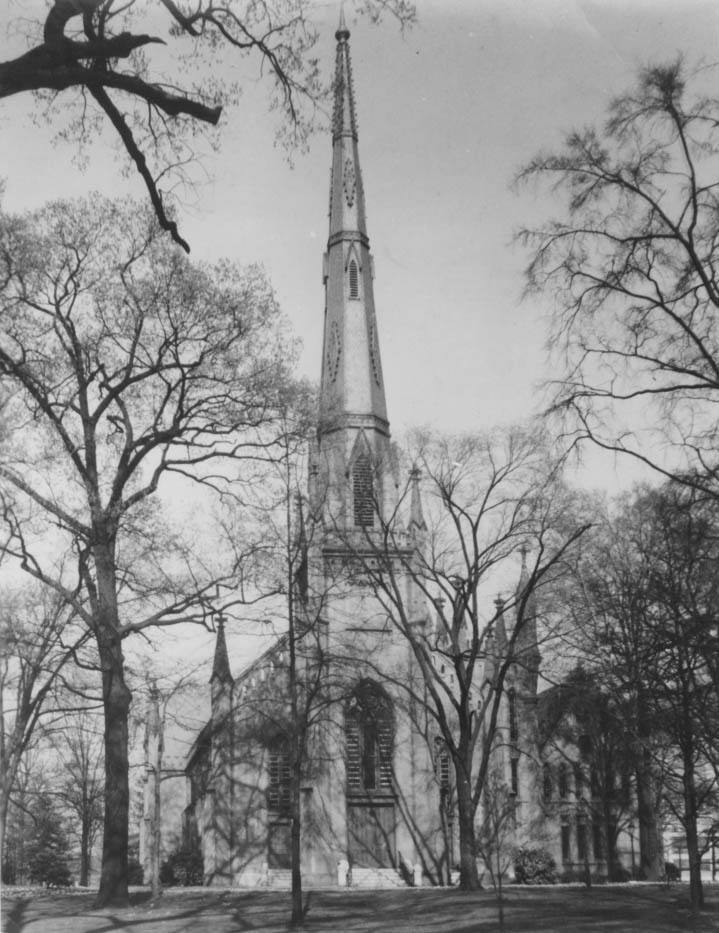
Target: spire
(526, 648)
(523, 582)
(221, 662)
(352, 387)
(302, 566)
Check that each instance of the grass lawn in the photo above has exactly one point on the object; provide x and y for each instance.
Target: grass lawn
(641, 908)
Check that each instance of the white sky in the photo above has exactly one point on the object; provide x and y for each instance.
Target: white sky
(447, 113)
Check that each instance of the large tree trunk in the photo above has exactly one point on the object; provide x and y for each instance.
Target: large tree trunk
(468, 875)
(651, 851)
(116, 701)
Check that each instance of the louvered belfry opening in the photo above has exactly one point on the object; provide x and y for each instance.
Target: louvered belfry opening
(354, 280)
(363, 492)
(369, 726)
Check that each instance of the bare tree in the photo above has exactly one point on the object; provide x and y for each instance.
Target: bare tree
(488, 499)
(630, 265)
(39, 640)
(78, 751)
(124, 365)
(648, 586)
(96, 54)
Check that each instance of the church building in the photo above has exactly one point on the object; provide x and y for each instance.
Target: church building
(374, 788)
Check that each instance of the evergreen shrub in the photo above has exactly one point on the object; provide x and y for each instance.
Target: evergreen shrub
(533, 865)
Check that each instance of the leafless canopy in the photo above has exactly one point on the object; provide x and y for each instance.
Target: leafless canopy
(98, 48)
(631, 266)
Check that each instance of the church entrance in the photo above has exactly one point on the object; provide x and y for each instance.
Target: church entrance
(369, 736)
(371, 834)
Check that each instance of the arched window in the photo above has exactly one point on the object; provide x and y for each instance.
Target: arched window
(363, 492)
(369, 731)
(562, 780)
(354, 279)
(578, 780)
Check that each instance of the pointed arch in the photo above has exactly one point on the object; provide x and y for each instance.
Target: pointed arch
(353, 269)
(369, 735)
(354, 279)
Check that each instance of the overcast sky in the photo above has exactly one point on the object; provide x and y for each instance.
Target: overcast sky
(447, 114)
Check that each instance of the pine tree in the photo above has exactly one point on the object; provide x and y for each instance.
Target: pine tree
(48, 848)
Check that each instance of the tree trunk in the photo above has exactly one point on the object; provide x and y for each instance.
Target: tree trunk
(696, 890)
(297, 918)
(116, 699)
(85, 850)
(651, 853)
(468, 875)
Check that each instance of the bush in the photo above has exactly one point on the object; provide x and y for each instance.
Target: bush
(534, 866)
(135, 873)
(671, 872)
(182, 869)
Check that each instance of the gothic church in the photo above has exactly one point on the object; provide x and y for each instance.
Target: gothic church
(374, 791)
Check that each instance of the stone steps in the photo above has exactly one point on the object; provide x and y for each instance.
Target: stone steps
(278, 879)
(376, 878)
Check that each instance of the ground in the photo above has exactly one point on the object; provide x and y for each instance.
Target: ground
(622, 909)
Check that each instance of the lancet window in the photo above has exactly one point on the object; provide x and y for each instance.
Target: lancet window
(354, 279)
(369, 733)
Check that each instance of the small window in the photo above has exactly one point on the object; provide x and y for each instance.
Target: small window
(278, 787)
(566, 843)
(363, 492)
(547, 783)
(597, 840)
(514, 763)
(354, 280)
(442, 770)
(581, 840)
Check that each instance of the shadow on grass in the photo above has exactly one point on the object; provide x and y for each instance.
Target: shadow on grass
(640, 910)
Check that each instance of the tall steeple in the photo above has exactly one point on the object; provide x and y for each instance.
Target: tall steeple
(352, 388)
(221, 661)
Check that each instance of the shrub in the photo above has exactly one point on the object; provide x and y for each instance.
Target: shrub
(47, 848)
(671, 872)
(182, 869)
(534, 866)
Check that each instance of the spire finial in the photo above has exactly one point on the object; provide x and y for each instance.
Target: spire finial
(343, 33)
